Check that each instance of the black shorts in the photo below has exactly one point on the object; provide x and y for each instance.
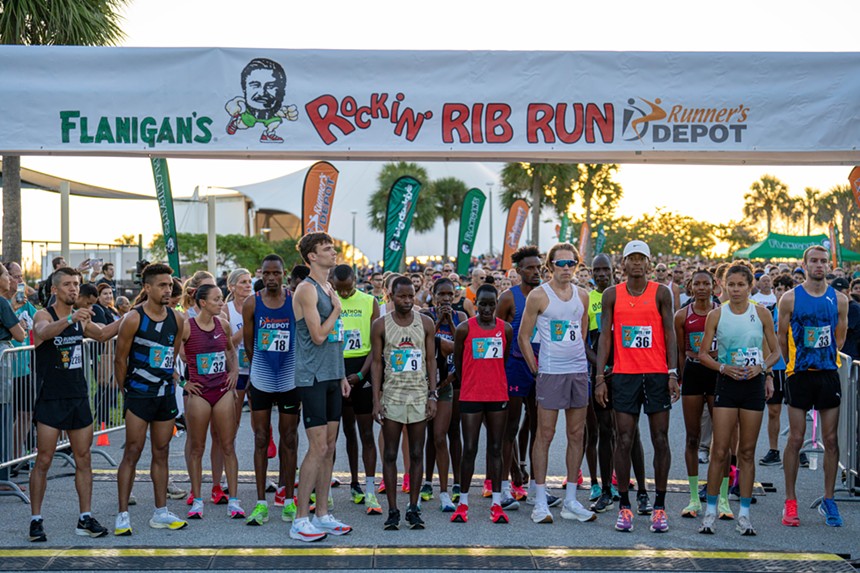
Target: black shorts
(361, 395)
(819, 389)
(323, 402)
(699, 380)
(64, 413)
(592, 386)
(741, 394)
(288, 402)
(152, 408)
(650, 392)
(482, 407)
(778, 387)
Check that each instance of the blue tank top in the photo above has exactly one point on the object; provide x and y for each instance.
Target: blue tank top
(273, 366)
(812, 334)
(150, 360)
(444, 331)
(780, 364)
(519, 308)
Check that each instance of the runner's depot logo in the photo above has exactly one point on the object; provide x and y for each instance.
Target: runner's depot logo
(658, 122)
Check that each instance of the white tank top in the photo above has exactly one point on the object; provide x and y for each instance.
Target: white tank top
(562, 350)
(236, 323)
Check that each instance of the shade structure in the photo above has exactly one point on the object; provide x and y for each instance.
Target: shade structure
(777, 246)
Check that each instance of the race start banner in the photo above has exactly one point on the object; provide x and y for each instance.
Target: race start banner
(470, 219)
(165, 207)
(402, 200)
(608, 107)
(318, 197)
(513, 230)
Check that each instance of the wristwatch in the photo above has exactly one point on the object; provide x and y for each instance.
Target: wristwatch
(434, 395)
(673, 372)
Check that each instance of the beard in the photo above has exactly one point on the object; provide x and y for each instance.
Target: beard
(265, 106)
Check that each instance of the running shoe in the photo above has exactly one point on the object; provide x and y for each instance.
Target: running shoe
(314, 500)
(329, 524)
(804, 460)
(643, 504)
(579, 480)
(595, 493)
(461, 514)
(709, 524)
(167, 520)
(771, 458)
(381, 487)
(744, 526)
(488, 489)
(288, 514)
(724, 509)
(426, 492)
(692, 510)
(190, 498)
(659, 521)
(413, 517)
(37, 530)
(259, 516)
(234, 510)
(196, 511)
(174, 491)
(518, 492)
(272, 450)
(497, 514)
(218, 495)
(281, 496)
(553, 501)
(830, 512)
(371, 504)
(272, 487)
(89, 527)
(574, 510)
(133, 500)
(703, 492)
(393, 521)
(446, 503)
(455, 493)
(704, 456)
(510, 504)
(735, 493)
(603, 503)
(614, 478)
(564, 483)
(625, 520)
(789, 514)
(335, 482)
(357, 494)
(304, 530)
(224, 486)
(122, 526)
(615, 495)
(405, 486)
(541, 514)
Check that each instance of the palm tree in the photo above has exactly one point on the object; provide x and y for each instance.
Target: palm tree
(809, 206)
(598, 192)
(48, 23)
(447, 196)
(538, 184)
(770, 196)
(838, 202)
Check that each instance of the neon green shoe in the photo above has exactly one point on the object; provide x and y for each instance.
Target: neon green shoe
(259, 516)
(357, 494)
(724, 509)
(371, 504)
(692, 510)
(289, 512)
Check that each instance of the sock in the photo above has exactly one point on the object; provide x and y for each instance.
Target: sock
(428, 483)
(660, 500)
(35, 517)
(263, 501)
(233, 499)
(625, 499)
(694, 488)
(712, 505)
(724, 488)
(532, 491)
(607, 488)
(369, 483)
(506, 488)
(85, 514)
(745, 507)
(497, 498)
(570, 491)
(464, 498)
(200, 499)
(161, 510)
(540, 494)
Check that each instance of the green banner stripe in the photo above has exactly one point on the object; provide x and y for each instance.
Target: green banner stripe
(470, 220)
(402, 201)
(165, 206)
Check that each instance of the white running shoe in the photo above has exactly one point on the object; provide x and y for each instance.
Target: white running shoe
(123, 524)
(304, 530)
(174, 491)
(166, 520)
(234, 510)
(572, 509)
(196, 511)
(541, 514)
(329, 524)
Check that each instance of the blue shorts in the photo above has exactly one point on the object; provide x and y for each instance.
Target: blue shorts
(242, 382)
(521, 381)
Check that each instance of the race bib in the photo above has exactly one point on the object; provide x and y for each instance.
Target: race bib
(352, 340)
(745, 357)
(406, 360)
(243, 359)
(696, 341)
(636, 337)
(535, 336)
(562, 331)
(336, 334)
(487, 348)
(71, 358)
(161, 357)
(211, 363)
(269, 340)
(816, 336)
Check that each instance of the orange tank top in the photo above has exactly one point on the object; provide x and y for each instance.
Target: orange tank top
(638, 337)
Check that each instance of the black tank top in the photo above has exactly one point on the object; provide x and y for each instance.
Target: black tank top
(59, 364)
(150, 361)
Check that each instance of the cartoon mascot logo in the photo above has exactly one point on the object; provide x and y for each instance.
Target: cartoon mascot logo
(264, 85)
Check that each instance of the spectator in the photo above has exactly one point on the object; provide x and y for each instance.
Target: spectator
(106, 304)
(44, 290)
(852, 338)
(123, 305)
(23, 391)
(107, 278)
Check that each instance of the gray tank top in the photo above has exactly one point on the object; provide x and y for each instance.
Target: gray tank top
(321, 362)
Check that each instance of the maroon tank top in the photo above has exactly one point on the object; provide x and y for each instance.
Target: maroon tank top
(206, 355)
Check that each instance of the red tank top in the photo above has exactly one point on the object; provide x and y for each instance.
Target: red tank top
(694, 329)
(638, 337)
(206, 354)
(483, 378)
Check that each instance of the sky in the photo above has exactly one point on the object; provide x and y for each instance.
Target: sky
(711, 193)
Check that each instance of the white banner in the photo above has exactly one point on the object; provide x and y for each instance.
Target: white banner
(557, 106)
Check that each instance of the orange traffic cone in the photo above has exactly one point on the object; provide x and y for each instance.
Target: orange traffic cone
(103, 439)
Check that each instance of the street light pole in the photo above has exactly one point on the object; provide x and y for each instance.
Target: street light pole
(353, 239)
(490, 185)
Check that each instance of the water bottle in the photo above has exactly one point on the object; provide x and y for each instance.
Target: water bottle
(813, 461)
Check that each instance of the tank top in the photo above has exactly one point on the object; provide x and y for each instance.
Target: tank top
(59, 363)
(484, 378)
(444, 363)
(637, 331)
(404, 355)
(355, 313)
(237, 321)
(206, 354)
(780, 364)
(694, 331)
(812, 332)
(273, 366)
(321, 362)
(595, 309)
(562, 349)
(519, 308)
(150, 361)
(739, 337)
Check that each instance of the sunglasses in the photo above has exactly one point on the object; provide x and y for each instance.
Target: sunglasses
(569, 263)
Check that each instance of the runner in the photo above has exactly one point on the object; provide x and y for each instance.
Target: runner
(378, 290)
(639, 314)
(359, 310)
(321, 382)
(559, 309)
(150, 336)
(403, 340)
(211, 384)
(743, 331)
(781, 285)
(813, 322)
(481, 348)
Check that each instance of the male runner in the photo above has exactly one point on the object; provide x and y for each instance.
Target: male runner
(639, 315)
(149, 339)
(558, 308)
(378, 288)
(321, 382)
(813, 323)
(269, 329)
(661, 273)
(62, 403)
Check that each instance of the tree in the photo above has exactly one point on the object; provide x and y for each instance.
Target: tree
(126, 240)
(48, 23)
(447, 196)
(593, 186)
(808, 206)
(667, 233)
(232, 251)
(770, 196)
(838, 204)
(737, 234)
(541, 185)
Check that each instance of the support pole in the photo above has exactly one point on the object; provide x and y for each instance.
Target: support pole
(65, 191)
(211, 242)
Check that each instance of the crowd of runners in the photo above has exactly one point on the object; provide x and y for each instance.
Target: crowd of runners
(432, 362)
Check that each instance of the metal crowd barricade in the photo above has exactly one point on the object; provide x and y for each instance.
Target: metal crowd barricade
(18, 393)
(848, 433)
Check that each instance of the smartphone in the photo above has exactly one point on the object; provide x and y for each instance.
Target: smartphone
(21, 293)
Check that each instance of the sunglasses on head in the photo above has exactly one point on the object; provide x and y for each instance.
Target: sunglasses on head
(565, 263)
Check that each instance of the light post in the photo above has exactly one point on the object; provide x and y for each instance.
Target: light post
(490, 185)
(354, 213)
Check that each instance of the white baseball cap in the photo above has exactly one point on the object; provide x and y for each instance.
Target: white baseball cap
(637, 247)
